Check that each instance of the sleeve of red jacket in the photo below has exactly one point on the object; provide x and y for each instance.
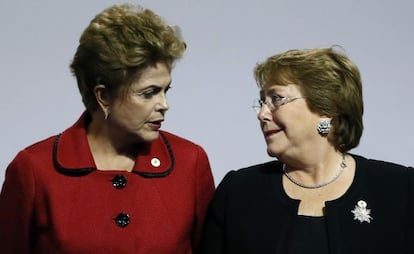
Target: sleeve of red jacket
(16, 206)
(204, 193)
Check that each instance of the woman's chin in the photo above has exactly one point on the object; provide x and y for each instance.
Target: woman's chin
(271, 152)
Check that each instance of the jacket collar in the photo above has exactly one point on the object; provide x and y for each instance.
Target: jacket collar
(72, 155)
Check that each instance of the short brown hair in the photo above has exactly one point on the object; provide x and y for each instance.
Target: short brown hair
(120, 41)
(331, 84)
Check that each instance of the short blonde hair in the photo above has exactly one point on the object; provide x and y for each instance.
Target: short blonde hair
(331, 84)
(119, 42)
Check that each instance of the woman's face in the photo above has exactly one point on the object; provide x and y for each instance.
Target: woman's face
(138, 115)
(289, 129)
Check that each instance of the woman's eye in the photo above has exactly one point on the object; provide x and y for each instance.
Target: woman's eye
(152, 91)
(277, 98)
(148, 94)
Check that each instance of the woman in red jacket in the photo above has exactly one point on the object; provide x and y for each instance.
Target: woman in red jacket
(113, 182)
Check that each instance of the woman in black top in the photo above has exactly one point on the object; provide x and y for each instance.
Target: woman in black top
(317, 197)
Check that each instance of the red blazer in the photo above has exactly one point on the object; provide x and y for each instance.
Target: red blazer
(54, 200)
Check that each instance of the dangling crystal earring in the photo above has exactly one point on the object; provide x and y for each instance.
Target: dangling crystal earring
(324, 126)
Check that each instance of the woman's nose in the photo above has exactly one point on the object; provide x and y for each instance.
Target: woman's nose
(264, 113)
(163, 103)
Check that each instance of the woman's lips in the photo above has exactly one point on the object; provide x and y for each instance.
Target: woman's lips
(271, 132)
(155, 125)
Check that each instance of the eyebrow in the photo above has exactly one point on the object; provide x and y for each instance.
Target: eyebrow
(272, 89)
(268, 91)
(156, 85)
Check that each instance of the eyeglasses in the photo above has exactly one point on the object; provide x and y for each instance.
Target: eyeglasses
(273, 102)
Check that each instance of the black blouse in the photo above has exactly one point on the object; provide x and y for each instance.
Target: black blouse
(309, 235)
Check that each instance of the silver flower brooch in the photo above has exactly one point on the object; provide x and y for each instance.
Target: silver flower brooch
(361, 212)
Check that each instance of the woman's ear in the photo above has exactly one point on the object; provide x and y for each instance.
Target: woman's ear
(103, 99)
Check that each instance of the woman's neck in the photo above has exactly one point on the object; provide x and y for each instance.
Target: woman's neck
(108, 149)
